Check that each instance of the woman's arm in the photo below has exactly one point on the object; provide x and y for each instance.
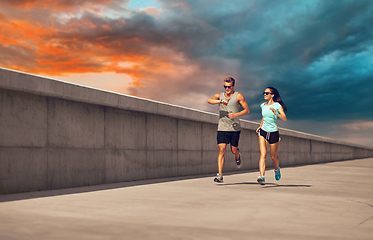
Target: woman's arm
(281, 114)
(261, 124)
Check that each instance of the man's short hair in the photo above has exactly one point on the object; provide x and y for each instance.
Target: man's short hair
(229, 80)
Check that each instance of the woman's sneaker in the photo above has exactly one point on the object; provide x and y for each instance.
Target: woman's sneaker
(277, 174)
(239, 162)
(261, 180)
(218, 178)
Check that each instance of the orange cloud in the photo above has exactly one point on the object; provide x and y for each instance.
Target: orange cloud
(92, 43)
(56, 6)
(152, 11)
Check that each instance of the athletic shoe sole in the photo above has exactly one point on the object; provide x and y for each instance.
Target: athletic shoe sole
(260, 181)
(218, 180)
(239, 161)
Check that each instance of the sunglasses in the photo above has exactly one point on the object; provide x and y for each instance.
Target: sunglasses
(227, 86)
(266, 93)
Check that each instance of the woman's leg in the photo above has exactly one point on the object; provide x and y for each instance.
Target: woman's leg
(274, 150)
(263, 153)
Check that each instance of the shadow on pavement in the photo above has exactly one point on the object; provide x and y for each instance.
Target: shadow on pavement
(267, 185)
(85, 189)
(285, 185)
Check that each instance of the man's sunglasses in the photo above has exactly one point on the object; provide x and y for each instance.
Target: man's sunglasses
(227, 86)
(266, 93)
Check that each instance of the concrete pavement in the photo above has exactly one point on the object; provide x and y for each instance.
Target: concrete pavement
(323, 201)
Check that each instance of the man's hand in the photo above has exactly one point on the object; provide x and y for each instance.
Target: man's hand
(232, 115)
(225, 102)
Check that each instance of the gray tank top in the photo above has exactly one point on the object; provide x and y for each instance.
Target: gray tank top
(225, 123)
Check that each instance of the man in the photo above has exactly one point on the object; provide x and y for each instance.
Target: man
(229, 129)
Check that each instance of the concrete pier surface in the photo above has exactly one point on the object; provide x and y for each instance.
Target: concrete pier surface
(321, 201)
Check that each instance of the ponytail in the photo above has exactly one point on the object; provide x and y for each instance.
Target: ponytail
(277, 98)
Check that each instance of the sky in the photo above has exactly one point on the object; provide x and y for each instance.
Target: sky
(317, 53)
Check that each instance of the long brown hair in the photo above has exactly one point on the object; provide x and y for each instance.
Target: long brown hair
(277, 97)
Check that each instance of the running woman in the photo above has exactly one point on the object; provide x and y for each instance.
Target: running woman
(229, 128)
(268, 131)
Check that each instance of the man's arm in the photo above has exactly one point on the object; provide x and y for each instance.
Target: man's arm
(215, 99)
(243, 103)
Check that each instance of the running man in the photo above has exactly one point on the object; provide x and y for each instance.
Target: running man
(229, 128)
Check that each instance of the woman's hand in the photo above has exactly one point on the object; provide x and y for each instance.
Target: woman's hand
(274, 111)
(257, 131)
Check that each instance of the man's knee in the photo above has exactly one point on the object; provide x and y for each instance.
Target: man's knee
(222, 149)
(234, 150)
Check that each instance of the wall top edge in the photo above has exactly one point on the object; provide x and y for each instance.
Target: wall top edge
(51, 87)
(93, 88)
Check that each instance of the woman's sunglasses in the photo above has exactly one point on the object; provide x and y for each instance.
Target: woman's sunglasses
(266, 93)
(227, 86)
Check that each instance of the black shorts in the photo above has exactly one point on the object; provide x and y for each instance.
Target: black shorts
(227, 137)
(271, 137)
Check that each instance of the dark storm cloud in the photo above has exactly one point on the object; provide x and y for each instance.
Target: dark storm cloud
(138, 33)
(317, 53)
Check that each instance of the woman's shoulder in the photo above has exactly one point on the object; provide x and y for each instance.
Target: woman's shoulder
(262, 105)
(277, 105)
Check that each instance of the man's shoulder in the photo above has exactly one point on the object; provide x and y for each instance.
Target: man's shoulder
(239, 94)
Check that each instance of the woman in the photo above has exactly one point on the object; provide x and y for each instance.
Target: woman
(268, 131)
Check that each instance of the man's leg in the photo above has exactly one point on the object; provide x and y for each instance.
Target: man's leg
(222, 149)
(234, 139)
(237, 156)
(236, 152)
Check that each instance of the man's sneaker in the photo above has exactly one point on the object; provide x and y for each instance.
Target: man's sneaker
(277, 174)
(239, 162)
(261, 180)
(218, 178)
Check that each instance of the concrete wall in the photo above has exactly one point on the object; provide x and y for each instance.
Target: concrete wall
(58, 135)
